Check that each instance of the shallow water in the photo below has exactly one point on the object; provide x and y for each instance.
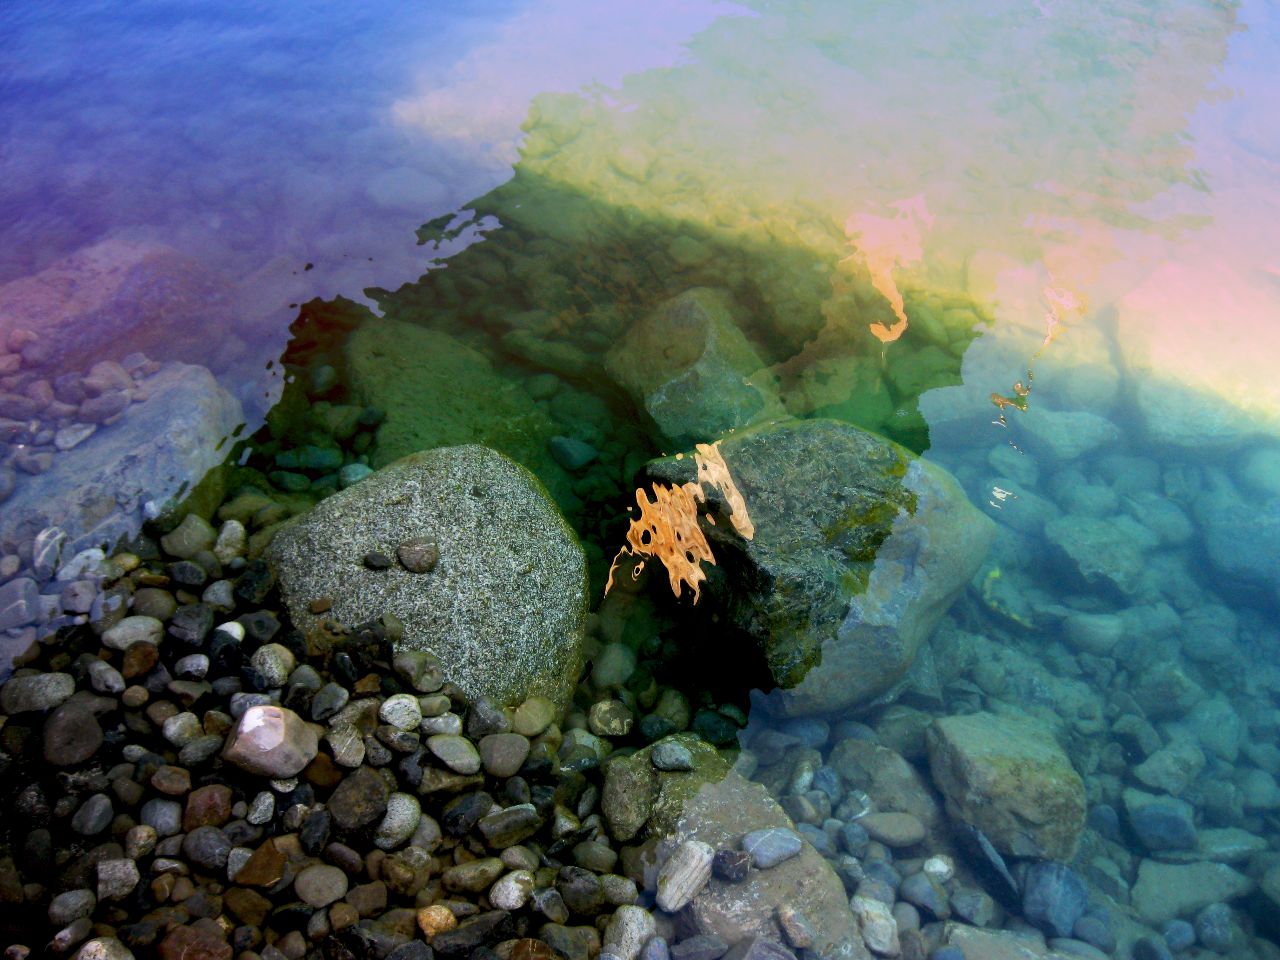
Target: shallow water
(1035, 243)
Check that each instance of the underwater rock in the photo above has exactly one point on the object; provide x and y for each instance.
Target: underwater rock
(1065, 435)
(1008, 777)
(1164, 891)
(720, 814)
(690, 368)
(161, 448)
(859, 549)
(437, 391)
(119, 296)
(1113, 550)
(505, 606)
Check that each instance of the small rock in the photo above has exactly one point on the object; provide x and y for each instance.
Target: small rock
(685, 873)
(116, 878)
(399, 822)
(671, 755)
(503, 754)
(401, 711)
(39, 692)
(131, 630)
(771, 846)
(894, 829)
(271, 741)
(1053, 897)
(320, 885)
(455, 752)
(418, 555)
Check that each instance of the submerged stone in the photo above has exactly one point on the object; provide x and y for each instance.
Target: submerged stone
(1008, 777)
(859, 548)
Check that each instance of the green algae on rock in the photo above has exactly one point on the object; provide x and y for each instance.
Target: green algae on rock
(437, 391)
(859, 549)
(505, 606)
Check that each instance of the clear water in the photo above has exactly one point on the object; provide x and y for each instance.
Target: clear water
(1076, 204)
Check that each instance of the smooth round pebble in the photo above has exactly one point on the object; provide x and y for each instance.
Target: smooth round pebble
(320, 885)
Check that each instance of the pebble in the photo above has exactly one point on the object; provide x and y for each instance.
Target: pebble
(512, 891)
(418, 555)
(503, 754)
(685, 873)
(671, 755)
(771, 846)
(104, 948)
(628, 930)
(1214, 928)
(399, 822)
(879, 929)
(116, 878)
(40, 692)
(320, 885)
(71, 906)
(893, 829)
(533, 716)
(271, 741)
(455, 752)
(274, 662)
(105, 678)
(401, 711)
(359, 799)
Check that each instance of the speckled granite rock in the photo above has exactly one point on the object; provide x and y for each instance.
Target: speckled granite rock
(505, 606)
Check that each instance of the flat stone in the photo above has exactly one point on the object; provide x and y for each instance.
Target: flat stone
(131, 630)
(503, 754)
(1164, 891)
(771, 846)
(894, 829)
(455, 752)
(359, 799)
(320, 885)
(40, 692)
(684, 874)
(1008, 777)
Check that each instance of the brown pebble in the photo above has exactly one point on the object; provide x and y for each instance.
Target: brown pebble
(367, 685)
(172, 781)
(435, 919)
(208, 806)
(323, 772)
(321, 605)
(531, 949)
(139, 659)
(135, 696)
(418, 555)
(265, 867)
(249, 906)
(342, 915)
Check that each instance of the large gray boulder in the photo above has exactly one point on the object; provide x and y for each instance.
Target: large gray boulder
(505, 605)
(691, 369)
(103, 488)
(859, 549)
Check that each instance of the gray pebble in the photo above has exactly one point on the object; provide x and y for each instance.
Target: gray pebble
(771, 846)
(94, 816)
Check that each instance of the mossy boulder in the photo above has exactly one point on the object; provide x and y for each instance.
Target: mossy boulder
(1007, 776)
(859, 548)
